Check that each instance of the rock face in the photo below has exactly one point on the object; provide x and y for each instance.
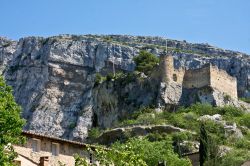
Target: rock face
(208, 95)
(115, 100)
(54, 78)
(7, 48)
(53, 81)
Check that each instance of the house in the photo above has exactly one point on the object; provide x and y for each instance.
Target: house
(44, 150)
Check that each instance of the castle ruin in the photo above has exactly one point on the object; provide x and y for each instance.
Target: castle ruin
(178, 80)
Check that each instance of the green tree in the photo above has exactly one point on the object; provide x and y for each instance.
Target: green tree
(152, 152)
(108, 157)
(10, 124)
(145, 62)
(137, 151)
(203, 145)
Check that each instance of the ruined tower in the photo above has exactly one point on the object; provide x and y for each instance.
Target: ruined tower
(166, 67)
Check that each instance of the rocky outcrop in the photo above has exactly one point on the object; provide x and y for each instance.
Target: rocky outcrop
(117, 99)
(53, 81)
(7, 49)
(54, 78)
(231, 130)
(208, 94)
(116, 134)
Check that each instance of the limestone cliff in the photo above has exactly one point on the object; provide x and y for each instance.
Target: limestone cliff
(54, 78)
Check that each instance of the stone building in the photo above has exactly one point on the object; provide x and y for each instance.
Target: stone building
(177, 82)
(43, 150)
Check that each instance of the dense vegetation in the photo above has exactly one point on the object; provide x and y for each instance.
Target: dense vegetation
(188, 118)
(138, 151)
(10, 124)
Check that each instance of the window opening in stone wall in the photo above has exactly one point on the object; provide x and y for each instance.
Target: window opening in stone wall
(175, 77)
(36, 145)
(55, 149)
(17, 162)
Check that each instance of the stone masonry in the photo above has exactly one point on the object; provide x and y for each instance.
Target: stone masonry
(182, 79)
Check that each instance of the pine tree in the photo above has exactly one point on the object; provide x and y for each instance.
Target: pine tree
(145, 62)
(203, 145)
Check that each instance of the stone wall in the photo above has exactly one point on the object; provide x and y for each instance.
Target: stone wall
(197, 78)
(178, 76)
(22, 161)
(223, 82)
(175, 80)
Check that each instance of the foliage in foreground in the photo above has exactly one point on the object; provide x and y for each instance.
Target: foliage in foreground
(10, 124)
(137, 151)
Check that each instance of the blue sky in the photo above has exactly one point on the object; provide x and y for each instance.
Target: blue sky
(223, 23)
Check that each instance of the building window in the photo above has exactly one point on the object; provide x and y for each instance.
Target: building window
(175, 77)
(17, 163)
(36, 145)
(55, 149)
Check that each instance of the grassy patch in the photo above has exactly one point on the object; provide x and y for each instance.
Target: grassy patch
(247, 100)
(94, 133)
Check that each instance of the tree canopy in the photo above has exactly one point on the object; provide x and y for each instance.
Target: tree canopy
(145, 62)
(137, 151)
(11, 124)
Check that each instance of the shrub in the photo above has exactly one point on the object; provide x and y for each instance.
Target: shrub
(227, 97)
(72, 125)
(7, 44)
(94, 133)
(200, 109)
(181, 136)
(109, 76)
(156, 136)
(182, 120)
(127, 122)
(245, 120)
(235, 157)
(99, 78)
(147, 118)
(243, 143)
(142, 110)
(230, 111)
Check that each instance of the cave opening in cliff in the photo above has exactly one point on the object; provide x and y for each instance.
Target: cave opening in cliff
(95, 120)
